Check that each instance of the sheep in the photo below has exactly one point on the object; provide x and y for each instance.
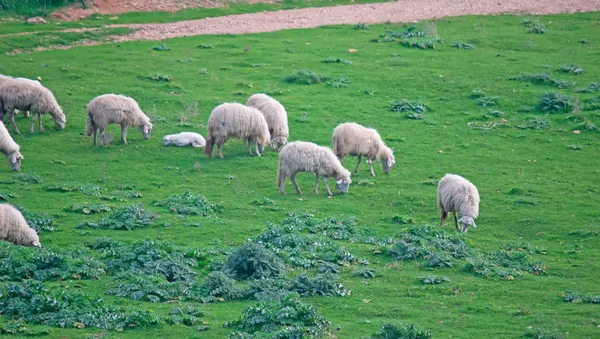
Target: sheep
(457, 194)
(237, 121)
(27, 96)
(184, 139)
(6, 78)
(114, 108)
(10, 148)
(276, 118)
(14, 228)
(354, 139)
(300, 156)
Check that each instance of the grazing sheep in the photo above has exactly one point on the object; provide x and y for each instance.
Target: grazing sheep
(14, 228)
(300, 156)
(27, 96)
(184, 139)
(106, 109)
(276, 118)
(354, 139)
(457, 194)
(10, 148)
(238, 121)
(6, 78)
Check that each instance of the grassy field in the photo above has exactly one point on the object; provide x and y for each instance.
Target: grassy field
(537, 177)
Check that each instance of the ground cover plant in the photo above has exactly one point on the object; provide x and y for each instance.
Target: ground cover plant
(537, 232)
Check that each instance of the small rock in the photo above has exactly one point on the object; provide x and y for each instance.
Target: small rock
(36, 20)
(576, 131)
(352, 50)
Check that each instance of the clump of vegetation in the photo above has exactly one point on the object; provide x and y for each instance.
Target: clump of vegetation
(407, 106)
(544, 79)
(462, 45)
(18, 263)
(7, 195)
(591, 104)
(158, 77)
(149, 288)
(361, 26)
(577, 298)
(188, 204)
(324, 284)
(477, 93)
(400, 331)
(126, 218)
(87, 189)
(263, 202)
(536, 123)
(553, 102)
(18, 327)
(434, 280)
(187, 316)
(24, 179)
(121, 195)
(539, 333)
(593, 87)
(332, 60)
(288, 317)
(410, 37)
(86, 208)
(307, 77)
(485, 101)
(219, 286)
(339, 83)
(403, 220)
(206, 46)
(33, 302)
(537, 29)
(40, 222)
(252, 261)
(162, 47)
(571, 69)
(365, 273)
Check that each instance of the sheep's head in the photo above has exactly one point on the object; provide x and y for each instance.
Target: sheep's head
(166, 140)
(60, 119)
(15, 160)
(466, 222)
(343, 182)
(387, 164)
(34, 239)
(146, 130)
(277, 142)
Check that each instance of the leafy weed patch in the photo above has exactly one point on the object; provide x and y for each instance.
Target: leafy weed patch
(188, 204)
(126, 218)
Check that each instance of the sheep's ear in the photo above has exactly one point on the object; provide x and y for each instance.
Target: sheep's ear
(339, 181)
(145, 129)
(390, 162)
(474, 224)
(13, 158)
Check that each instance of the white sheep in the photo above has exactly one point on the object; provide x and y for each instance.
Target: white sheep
(10, 148)
(457, 194)
(27, 96)
(184, 139)
(233, 120)
(6, 78)
(300, 156)
(106, 109)
(276, 118)
(14, 228)
(354, 139)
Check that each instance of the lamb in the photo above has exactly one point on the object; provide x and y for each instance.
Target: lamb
(457, 194)
(10, 148)
(14, 228)
(106, 109)
(300, 156)
(184, 139)
(27, 96)
(276, 118)
(237, 121)
(354, 139)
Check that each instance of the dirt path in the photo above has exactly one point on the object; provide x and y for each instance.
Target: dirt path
(395, 12)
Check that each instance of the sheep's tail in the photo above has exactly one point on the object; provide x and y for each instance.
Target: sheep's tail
(89, 128)
(209, 145)
(279, 176)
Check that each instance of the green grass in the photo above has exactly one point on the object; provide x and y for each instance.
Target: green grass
(534, 188)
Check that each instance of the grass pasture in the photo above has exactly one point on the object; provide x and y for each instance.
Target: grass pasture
(536, 171)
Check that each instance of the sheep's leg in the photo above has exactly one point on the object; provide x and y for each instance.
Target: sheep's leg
(443, 216)
(316, 184)
(341, 157)
(40, 125)
(456, 220)
(103, 137)
(31, 130)
(358, 163)
(12, 122)
(262, 149)
(281, 185)
(95, 131)
(327, 186)
(293, 177)
(256, 148)
(124, 134)
(249, 147)
(220, 148)
(371, 167)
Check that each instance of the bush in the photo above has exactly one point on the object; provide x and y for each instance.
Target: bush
(307, 77)
(406, 106)
(365, 273)
(188, 204)
(571, 69)
(434, 280)
(400, 331)
(127, 218)
(285, 318)
(577, 298)
(33, 302)
(187, 316)
(253, 261)
(536, 123)
(326, 284)
(148, 288)
(219, 285)
(553, 102)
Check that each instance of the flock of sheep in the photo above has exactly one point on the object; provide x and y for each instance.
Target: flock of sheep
(261, 121)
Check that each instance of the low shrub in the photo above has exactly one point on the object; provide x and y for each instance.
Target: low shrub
(307, 77)
(252, 261)
(400, 331)
(188, 204)
(126, 218)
